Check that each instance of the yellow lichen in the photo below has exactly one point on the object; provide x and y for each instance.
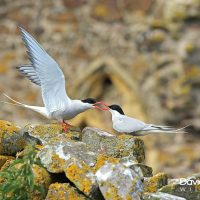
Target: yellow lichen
(57, 163)
(101, 159)
(6, 164)
(41, 176)
(77, 174)
(7, 128)
(87, 185)
(50, 129)
(197, 187)
(155, 182)
(112, 193)
(128, 197)
(3, 159)
(63, 191)
(53, 132)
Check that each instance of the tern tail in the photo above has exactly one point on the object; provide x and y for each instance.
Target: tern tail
(41, 110)
(164, 129)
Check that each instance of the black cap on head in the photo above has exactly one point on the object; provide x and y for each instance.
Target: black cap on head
(117, 108)
(89, 100)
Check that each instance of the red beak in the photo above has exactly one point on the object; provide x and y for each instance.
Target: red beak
(101, 103)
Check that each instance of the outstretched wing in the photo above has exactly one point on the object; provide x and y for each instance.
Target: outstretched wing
(44, 71)
(30, 73)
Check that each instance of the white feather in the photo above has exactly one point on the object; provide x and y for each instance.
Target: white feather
(47, 73)
(41, 110)
(125, 124)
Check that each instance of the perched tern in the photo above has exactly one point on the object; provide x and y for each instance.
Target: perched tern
(129, 125)
(46, 73)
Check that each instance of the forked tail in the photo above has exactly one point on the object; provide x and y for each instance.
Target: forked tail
(16, 103)
(165, 129)
(41, 110)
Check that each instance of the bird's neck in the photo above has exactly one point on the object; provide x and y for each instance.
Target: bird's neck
(115, 115)
(78, 106)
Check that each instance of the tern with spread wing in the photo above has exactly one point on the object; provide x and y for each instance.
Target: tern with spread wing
(46, 73)
(129, 125)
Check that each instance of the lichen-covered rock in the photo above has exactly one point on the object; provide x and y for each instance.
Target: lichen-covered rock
(83, 178)
(187, 188)
(6, 164)
(54, 156)
(117, 182)
(161, 196)
(63, 191)
(146, 170)
(11, 139)
(111, 145)
(102, 159)
(152, 184)
(75, 160)
(4, 159)
(50, 133)
(41, 177)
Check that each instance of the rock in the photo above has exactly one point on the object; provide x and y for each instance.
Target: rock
(11, 139)
(130, 162)
(74, 159)
(187, 188)
(50, 133)
(54, 156)
(152, 184)
(64, 191)
(83, 178)
(41, 177)
(6, 164)
(4, 159)
(146, 170)
(111, 145)
(102, 160)
(161, 196)
(116, 181)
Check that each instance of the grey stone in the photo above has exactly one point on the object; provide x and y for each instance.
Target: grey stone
(50, 133)
(11, 138)
(64, 191)
(117, 181)
(187, 188)
(111, 145)
(74, 159)
(161, 196)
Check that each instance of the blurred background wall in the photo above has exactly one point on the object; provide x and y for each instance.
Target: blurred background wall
(143, 55)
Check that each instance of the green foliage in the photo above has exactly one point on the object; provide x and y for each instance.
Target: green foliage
(17, 180)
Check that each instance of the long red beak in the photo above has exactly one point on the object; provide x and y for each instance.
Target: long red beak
(101, 103)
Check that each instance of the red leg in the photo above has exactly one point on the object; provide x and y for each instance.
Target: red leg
(65, 126)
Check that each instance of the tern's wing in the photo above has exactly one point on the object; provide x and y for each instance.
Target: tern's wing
(46, 72)
(130, 125)
(30, 73)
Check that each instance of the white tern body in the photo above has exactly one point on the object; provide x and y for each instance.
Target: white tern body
(129, 125)
(45, 72)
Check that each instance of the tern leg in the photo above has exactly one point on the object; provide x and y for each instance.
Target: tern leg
(65, 126)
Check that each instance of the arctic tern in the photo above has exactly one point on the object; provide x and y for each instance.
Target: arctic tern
(46, 73)
(129, 125)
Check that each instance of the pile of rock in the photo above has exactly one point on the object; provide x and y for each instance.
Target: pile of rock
(92, 164)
